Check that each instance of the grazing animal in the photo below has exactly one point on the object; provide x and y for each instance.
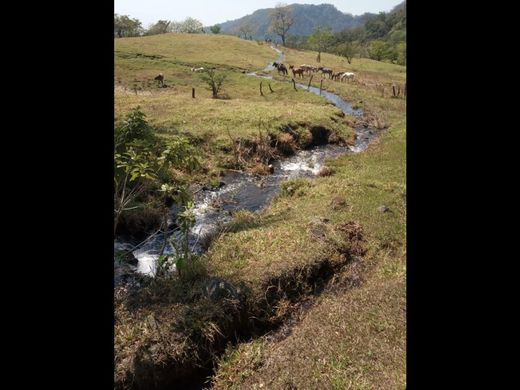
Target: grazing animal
(336, 76)
(347, 76)
(297, 71)
(326, 71)
(314, 69)
(281, 68)
(160, 79)
(197, 69)
(307, 68)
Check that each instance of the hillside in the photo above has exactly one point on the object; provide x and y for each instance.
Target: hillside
(317, 296)
(306, 18)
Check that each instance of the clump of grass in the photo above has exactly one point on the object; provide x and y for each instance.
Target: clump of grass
(238, 363)
(260, 169)
(338, 202)
(286, 144)
(325, 171)
(295, 187)
(242, 220)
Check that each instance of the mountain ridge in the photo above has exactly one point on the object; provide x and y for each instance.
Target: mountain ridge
(306, 18)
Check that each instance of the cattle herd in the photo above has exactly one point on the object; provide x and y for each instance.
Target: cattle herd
(304, 69)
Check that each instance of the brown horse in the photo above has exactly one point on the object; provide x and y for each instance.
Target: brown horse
(160, 79)
(297, 71)
(308, 68)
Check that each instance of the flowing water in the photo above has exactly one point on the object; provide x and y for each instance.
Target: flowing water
(213, 208)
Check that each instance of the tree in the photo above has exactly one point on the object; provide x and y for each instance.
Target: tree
(215, 29)
(214, 80)
(378, 50)
(161, 27)
(401, 53)
(246, 31)
(126, 27)
(347, 50)
(320, 40)
(281, 20)
(188, 25)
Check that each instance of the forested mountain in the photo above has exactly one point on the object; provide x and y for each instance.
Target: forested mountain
(306, 18)
(382, 37)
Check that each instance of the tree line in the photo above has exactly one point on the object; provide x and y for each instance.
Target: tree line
(382, 38)
(124, 26)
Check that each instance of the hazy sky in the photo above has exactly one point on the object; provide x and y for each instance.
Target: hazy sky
(218, 11)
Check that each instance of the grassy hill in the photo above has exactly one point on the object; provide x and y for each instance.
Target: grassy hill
(321, 270)
(241, 112)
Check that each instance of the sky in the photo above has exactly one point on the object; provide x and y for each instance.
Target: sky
(219, 11)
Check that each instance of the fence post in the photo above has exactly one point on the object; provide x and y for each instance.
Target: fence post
(309, 85)
(193, 93)
(321, 83)
(294, 84)
(261, 93)
(270, 88)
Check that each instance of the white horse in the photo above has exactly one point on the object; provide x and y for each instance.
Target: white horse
(197, 69)
(347, 76)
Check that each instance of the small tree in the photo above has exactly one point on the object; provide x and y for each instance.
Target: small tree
(133, 172)
(133, 127)
(126, 27)
(321, 39)
(281, 21)
(378, 50)
(347, 50)
(143, 162)
(246, 31)
(161, 27)
(188, 25)
(214, 80)
(215, 29)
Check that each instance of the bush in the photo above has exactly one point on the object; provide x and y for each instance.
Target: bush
(133, 127)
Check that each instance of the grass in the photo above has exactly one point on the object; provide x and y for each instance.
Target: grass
(353, 334)
(240, 112)
(348, 339)
(192, 50)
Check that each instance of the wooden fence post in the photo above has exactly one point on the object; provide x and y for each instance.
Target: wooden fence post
(294, 84)
(193, 93)
(309, 85)
(270, 88)
(321, 83)
(261, 93)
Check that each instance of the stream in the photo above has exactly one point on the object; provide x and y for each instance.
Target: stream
(241, 190)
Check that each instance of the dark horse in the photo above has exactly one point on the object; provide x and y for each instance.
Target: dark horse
(281, 68)
(160, 79)
(326, 71)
